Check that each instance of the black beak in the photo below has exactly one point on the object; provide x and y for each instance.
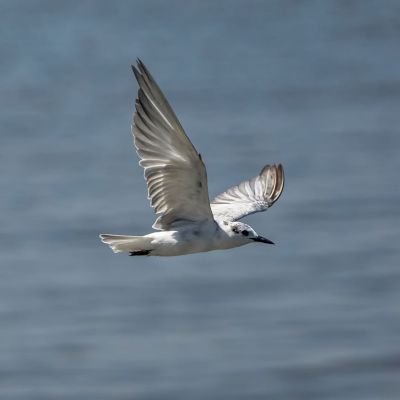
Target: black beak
(263, 240)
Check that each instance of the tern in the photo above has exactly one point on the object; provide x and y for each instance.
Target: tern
(177, 187)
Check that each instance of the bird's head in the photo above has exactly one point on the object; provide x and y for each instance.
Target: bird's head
(245, 233)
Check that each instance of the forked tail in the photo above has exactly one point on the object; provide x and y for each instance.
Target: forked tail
(135, 245)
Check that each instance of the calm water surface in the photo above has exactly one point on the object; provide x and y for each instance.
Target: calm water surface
(314, 85)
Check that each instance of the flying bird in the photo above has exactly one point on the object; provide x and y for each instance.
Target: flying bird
(177, 187)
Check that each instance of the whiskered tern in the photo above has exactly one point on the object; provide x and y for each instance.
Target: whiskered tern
(177, 187)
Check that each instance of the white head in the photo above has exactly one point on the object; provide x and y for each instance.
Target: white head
(244, 234)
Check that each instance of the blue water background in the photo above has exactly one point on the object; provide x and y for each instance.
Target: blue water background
(314, 85)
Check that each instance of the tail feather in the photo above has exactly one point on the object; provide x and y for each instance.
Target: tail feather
(129, 244)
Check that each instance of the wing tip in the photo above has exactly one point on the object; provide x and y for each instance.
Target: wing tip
(144, 72)
(135, 72)
(278, 177)
(139, 69)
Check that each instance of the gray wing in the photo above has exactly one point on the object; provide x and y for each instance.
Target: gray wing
(175, 174)
(254, 195)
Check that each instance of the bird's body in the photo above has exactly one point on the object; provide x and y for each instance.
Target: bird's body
(178, 191)
(186, 239)
(190, 238)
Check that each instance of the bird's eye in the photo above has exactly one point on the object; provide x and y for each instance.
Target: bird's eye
(245, 233)
(236, 230)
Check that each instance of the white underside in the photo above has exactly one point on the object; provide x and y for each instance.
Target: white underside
(187, 239)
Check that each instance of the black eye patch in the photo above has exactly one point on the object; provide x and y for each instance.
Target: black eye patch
(236, 230)
(245, 233)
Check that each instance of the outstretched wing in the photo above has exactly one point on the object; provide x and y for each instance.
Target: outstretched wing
(175, 174)
(254, 195)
